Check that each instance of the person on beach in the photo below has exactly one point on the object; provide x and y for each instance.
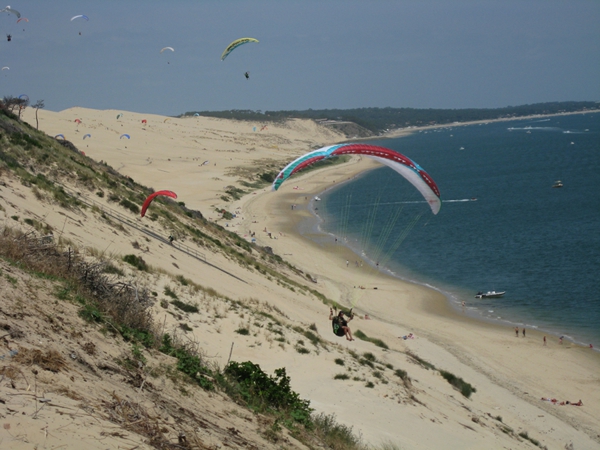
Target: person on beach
(517, 331)
(544, 340)
(340, 324)
(523, 332)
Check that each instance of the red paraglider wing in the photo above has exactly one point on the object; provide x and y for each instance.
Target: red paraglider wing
(152, 196)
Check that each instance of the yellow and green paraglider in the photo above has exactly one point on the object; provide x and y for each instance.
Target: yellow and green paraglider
(235, 44)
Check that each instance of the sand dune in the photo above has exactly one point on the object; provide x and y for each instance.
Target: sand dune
(511, 374)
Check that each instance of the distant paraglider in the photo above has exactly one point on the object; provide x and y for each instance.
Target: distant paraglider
(167, 48)
(87, 136)
(152, 196)
(235, 44)
(247, 75)
(6, 68)
(80, 16)
(60, 136)
(119, 116)
(144, 121)
(125, 136)
(8, 9)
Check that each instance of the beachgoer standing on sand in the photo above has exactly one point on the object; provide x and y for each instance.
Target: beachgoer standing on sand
(544, 340)
(523, 332)
(560, 340)
(517, 331)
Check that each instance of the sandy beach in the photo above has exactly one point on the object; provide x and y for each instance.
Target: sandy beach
(199, 158)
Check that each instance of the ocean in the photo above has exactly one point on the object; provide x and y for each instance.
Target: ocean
(502, 225)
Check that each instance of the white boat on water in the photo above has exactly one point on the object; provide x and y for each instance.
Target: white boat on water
(490, 294)
(557, 184)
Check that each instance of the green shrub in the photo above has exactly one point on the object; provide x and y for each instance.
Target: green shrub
(125, 203)
(170, 293)
(185, 307)
(465, 388)
(265, 393)
(339, 361)
(335, 436)
(341, 376)
(378, 342)
(243, 331)
(188, 362)
(369, 356)
(136, 261)
(184, 281)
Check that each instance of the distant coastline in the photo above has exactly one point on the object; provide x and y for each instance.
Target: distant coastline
(399, 132)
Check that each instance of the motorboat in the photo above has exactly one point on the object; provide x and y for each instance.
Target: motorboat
(490, 294)
(557, 184)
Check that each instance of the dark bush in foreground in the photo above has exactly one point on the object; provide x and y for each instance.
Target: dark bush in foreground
(265, 393)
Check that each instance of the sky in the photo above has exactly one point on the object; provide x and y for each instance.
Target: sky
(315, 54)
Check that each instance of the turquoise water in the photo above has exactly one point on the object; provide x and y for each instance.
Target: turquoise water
(501, 227)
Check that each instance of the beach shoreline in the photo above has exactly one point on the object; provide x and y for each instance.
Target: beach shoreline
(486, 346)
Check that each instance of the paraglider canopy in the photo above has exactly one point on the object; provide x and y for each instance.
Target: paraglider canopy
(125, 136)
(167, 48)
(235, 44)
(77, 120)
(397, 161)
(12, 11)
(153, 196)
(119, 116)
(87, 136)
(6, 68)
(144, 121)
(59, 136)
(79, 16)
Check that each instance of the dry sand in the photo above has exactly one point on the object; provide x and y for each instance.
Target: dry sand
(511, 374)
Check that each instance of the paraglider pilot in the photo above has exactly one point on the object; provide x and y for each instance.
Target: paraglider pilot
(8, 37)
(340, 324)
(247, 74)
